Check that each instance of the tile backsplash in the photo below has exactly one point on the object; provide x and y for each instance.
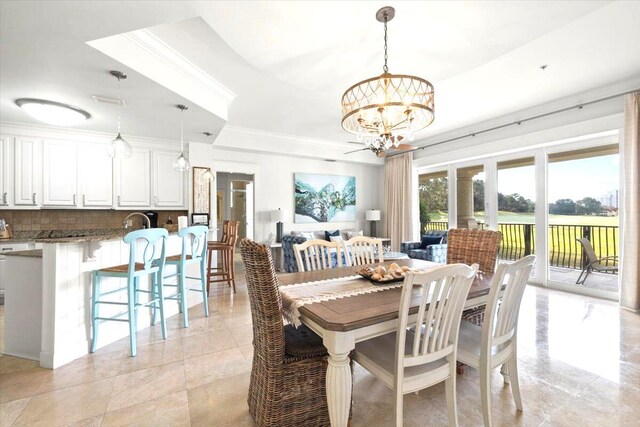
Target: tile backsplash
(67, 219)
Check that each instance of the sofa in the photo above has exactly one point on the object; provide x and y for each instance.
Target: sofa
(434, 252)
(295, 238)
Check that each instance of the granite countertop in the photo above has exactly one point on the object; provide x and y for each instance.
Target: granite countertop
(69, 236)
(33, 253)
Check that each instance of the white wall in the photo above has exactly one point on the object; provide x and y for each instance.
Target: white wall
(274, 186)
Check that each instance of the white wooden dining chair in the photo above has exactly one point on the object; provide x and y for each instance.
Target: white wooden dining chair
(317, 254)
(421, 354)
(495, 343)
(361, 250)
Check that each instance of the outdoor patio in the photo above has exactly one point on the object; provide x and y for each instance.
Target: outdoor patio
(603, 281)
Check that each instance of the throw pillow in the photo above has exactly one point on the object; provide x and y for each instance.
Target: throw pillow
(327, 235)
(352, 234)
(336, 239)
(430, 240)
(308, 236)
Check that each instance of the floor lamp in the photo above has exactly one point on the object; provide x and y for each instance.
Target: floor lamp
(373, 215)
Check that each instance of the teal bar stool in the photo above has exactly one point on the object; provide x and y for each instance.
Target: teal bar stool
(194, 251)
(132, 271)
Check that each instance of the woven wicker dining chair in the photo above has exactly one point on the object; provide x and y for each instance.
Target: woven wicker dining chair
(472, 246)
(288, 375)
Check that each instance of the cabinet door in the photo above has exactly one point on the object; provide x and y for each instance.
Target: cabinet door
(28, 165)
(60, 173)
(133, 176)
(95, 176)
(168, 184)
(4, 170)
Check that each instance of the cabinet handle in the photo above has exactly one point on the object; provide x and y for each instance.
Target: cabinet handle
(74, 200)
(33, 198)
(4, 198)
(118, 200)
(84, 200)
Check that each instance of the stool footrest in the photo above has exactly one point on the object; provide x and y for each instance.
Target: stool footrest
(111, 302)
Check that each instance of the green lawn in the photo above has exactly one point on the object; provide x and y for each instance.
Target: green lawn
(521, 218)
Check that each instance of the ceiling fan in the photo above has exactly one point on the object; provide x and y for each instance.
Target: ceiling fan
(381, 152)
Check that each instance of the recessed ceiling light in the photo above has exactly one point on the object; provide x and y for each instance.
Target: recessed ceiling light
(53, 113)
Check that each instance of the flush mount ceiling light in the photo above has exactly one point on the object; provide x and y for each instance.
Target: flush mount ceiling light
(53, 113)
(182, 163)
(119, 148)
(384, 110)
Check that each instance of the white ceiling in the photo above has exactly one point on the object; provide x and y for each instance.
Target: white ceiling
(289, 62)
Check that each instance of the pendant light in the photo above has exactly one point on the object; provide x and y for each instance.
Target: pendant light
(119, 148)
(182, 163)
(208, 175)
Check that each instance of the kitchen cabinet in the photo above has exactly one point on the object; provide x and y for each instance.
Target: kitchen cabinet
(27, 172)
(60, 174)
(168, 184)
(95, 176)
(4, 171)
(132, 180)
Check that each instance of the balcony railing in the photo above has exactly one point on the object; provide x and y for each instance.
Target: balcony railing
(518, 240)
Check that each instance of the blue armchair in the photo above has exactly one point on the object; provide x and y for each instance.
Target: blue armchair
(434, 253)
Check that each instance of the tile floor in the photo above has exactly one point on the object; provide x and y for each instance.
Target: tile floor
(579, 366)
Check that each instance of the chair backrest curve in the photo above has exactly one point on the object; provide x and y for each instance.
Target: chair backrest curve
(316, 254)
(150, 237)
(198, 245)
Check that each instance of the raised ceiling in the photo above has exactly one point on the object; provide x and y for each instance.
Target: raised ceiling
(289, 62)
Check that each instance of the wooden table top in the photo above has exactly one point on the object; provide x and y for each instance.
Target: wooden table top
(345, 314)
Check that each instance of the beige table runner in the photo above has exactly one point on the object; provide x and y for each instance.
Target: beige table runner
(295, 296)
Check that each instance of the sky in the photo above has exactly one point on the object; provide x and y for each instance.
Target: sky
(572, 179)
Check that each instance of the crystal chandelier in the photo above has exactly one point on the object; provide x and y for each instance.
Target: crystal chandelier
(386, 109)
(181, 164)
(119, 148)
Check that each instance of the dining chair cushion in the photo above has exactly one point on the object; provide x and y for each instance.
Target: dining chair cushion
(379, 353)
(302, 342)
(328, 234)
(430, 240)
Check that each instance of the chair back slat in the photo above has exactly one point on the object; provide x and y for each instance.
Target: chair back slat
(442, 293)
(471, 246)
(501, 318)
(194, 241)
(265, 302)
(148, 237)
(225, 231)
(362, 250)
(316, 254)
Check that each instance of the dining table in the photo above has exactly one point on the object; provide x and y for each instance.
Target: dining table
(342, 322)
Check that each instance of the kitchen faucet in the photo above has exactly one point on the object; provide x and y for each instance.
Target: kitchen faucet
(137, 213)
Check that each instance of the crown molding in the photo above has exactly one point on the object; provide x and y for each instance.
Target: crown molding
(149, 55)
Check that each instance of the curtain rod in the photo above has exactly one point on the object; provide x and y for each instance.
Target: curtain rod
(518, 122)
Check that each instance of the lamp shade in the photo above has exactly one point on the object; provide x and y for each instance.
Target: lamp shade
(372, 215)
(279, 215)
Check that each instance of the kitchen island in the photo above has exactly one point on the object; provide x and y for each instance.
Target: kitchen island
(65, 293)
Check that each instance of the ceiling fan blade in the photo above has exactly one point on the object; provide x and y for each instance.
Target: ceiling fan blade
(355, 151)
(355, 142)
(405, 147)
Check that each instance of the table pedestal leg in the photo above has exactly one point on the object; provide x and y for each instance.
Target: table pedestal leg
(338, 389)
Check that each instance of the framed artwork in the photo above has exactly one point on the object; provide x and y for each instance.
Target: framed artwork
(201, 191)
(219, 205)
(324, 198)
(200, 218)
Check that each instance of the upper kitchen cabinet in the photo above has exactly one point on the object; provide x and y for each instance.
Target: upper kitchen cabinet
(95, 176)
(27, 172)
(60, 174)
(6, 170)
(132, 180)
(168, 184)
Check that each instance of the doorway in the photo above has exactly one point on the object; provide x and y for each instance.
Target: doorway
(235, 201)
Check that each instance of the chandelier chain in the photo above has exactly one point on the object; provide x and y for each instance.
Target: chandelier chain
(386, 56)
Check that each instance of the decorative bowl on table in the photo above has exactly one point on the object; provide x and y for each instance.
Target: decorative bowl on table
(382, 275)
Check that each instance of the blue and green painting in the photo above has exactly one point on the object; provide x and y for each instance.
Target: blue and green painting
(324, 198)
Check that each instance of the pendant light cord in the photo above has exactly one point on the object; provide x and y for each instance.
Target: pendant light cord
(120, 105)
(385, 68)
(182, 132)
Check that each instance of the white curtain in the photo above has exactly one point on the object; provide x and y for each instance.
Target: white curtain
(398, 203)
(630, 267)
